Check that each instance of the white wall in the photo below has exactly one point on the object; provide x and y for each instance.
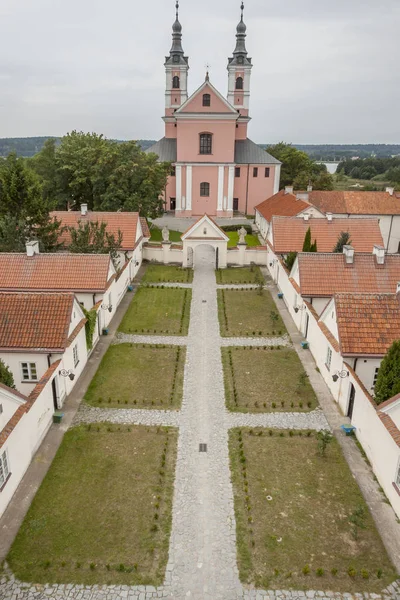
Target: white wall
(262, 225)
(64, 384)
(14, 359)
(25, 440)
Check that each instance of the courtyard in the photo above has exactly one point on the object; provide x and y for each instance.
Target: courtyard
(103, 513)
(239, 275)
(167, 274)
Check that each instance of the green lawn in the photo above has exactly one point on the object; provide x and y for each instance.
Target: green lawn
(264, 380)
(238, 275)
(156, 235)
(247, 313)
(292, 517)
(167, 273)
(158, 311)
(126, 377)
(251, 240)
(104, 510)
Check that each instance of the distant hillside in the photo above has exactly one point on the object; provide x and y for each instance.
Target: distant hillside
(31, 145)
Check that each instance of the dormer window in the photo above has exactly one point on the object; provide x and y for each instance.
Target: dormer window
(176, 83)
(206, 100)
(239, 83)
(205, 143)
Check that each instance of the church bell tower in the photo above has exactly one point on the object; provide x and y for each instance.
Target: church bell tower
(176, 70)
(239, 70)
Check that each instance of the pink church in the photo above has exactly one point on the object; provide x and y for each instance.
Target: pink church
(216, 170)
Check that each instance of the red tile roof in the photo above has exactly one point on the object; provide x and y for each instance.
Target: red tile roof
(323, 275)
(358, 203)
(35, 321)
(289, 233)
(368, 324)
(281, 204)
(54, 272)
(126, 222)
(145, 227)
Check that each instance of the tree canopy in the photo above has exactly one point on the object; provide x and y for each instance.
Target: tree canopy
(388, 380)
(93, 238)
(299, 170)
(6, 377)
(308, 246)
(344, 239)
(104, 174)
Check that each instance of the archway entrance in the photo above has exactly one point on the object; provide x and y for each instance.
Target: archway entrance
(205, 233)
(205, 254)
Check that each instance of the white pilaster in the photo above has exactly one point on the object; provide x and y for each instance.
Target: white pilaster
(178, 174)
(277, 178)
(231, 181)
(220, 187)
(189, 187)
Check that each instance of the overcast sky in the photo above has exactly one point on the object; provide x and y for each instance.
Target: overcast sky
(324, 71)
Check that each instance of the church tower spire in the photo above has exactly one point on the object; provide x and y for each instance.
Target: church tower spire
(176, 70)
(239, 69)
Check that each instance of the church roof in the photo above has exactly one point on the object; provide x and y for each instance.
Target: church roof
(246, 152)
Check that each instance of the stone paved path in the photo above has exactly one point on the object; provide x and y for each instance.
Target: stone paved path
(202, 555)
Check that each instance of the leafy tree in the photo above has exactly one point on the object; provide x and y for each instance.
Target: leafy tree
(388, 380)
(344, 239)
(22, 206)
(298, 168)
(92, 237)
(324, 439)
(290, 259)
(307, 245)
(45, 166)
(6, 376)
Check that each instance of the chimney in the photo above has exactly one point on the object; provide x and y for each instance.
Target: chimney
(289, 189)
(302, 196)
(32, 248)
(390, 190)
(348, 252)
(306, 217)
(83, 210)
(309, 188)
(379, 252)
(329, 217)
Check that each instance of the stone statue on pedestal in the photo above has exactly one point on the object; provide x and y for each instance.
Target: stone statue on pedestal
(242, 235)
(165, 234)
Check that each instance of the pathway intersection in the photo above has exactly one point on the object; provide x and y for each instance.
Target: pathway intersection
(202, 554)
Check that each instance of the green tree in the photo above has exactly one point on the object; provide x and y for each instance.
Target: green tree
(92, 237)
(388, 380)
(289, 260)
(6, 377)
(308, 246)
(12, 234)
(344, 239)
(299, 170)
(324, 439)
(44, 164)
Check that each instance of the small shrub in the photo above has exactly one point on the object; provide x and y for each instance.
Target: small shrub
(365, 574)
(78, 565)
(270, 432)
(379, 573)
(319, 572)
(334, 572)
(306, 569)
(92, 566)
(273, 405)
(351, 572)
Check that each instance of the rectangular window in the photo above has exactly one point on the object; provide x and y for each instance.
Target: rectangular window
(204, 189)
(237, 171)
(375, 376)
(76, 355)
(4, 468)
(235, 204)
(267, 171)
(329, 359)
(29, 372)
(205, 143)
(173, 171)
(255, 171)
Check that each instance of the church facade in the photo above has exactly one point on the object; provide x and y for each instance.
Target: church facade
(216, 169)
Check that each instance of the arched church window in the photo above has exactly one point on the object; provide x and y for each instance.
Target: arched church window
(204, 189)
(205, 143)
(239, 83)
(206, 100)
(176, 83)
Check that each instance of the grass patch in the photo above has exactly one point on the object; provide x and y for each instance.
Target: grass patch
(292, 515)
(251, 240)
(247, 313)
(158, 311)
(167, 274)
(126, 377)
(93, 519)
(239, 275)
(266, 380)
(156, 235)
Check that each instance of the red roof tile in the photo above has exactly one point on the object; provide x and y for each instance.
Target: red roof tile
(145, 227)
(61, 272)
(323, 275)
(368, 324)
(35, 321)
(126, 222)
(289, 233)
(281, 204)
(358, 203)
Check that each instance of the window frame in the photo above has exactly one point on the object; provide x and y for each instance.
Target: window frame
(237, 172)
(241, 86)
(30, 369)
(267, 171)
(75, 354)
(204, 189)
(375, 377)
(206, 143)
(255, 171)
(328, 360)
(207, 100)
(5, 471)
(174, 80)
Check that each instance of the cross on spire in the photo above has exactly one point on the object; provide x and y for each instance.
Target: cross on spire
(177, 8)
(242, 9)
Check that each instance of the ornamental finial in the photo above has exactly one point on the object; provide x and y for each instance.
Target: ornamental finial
(242, 9)
(177, 8)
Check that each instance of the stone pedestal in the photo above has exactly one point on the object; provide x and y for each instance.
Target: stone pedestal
(166, 246)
